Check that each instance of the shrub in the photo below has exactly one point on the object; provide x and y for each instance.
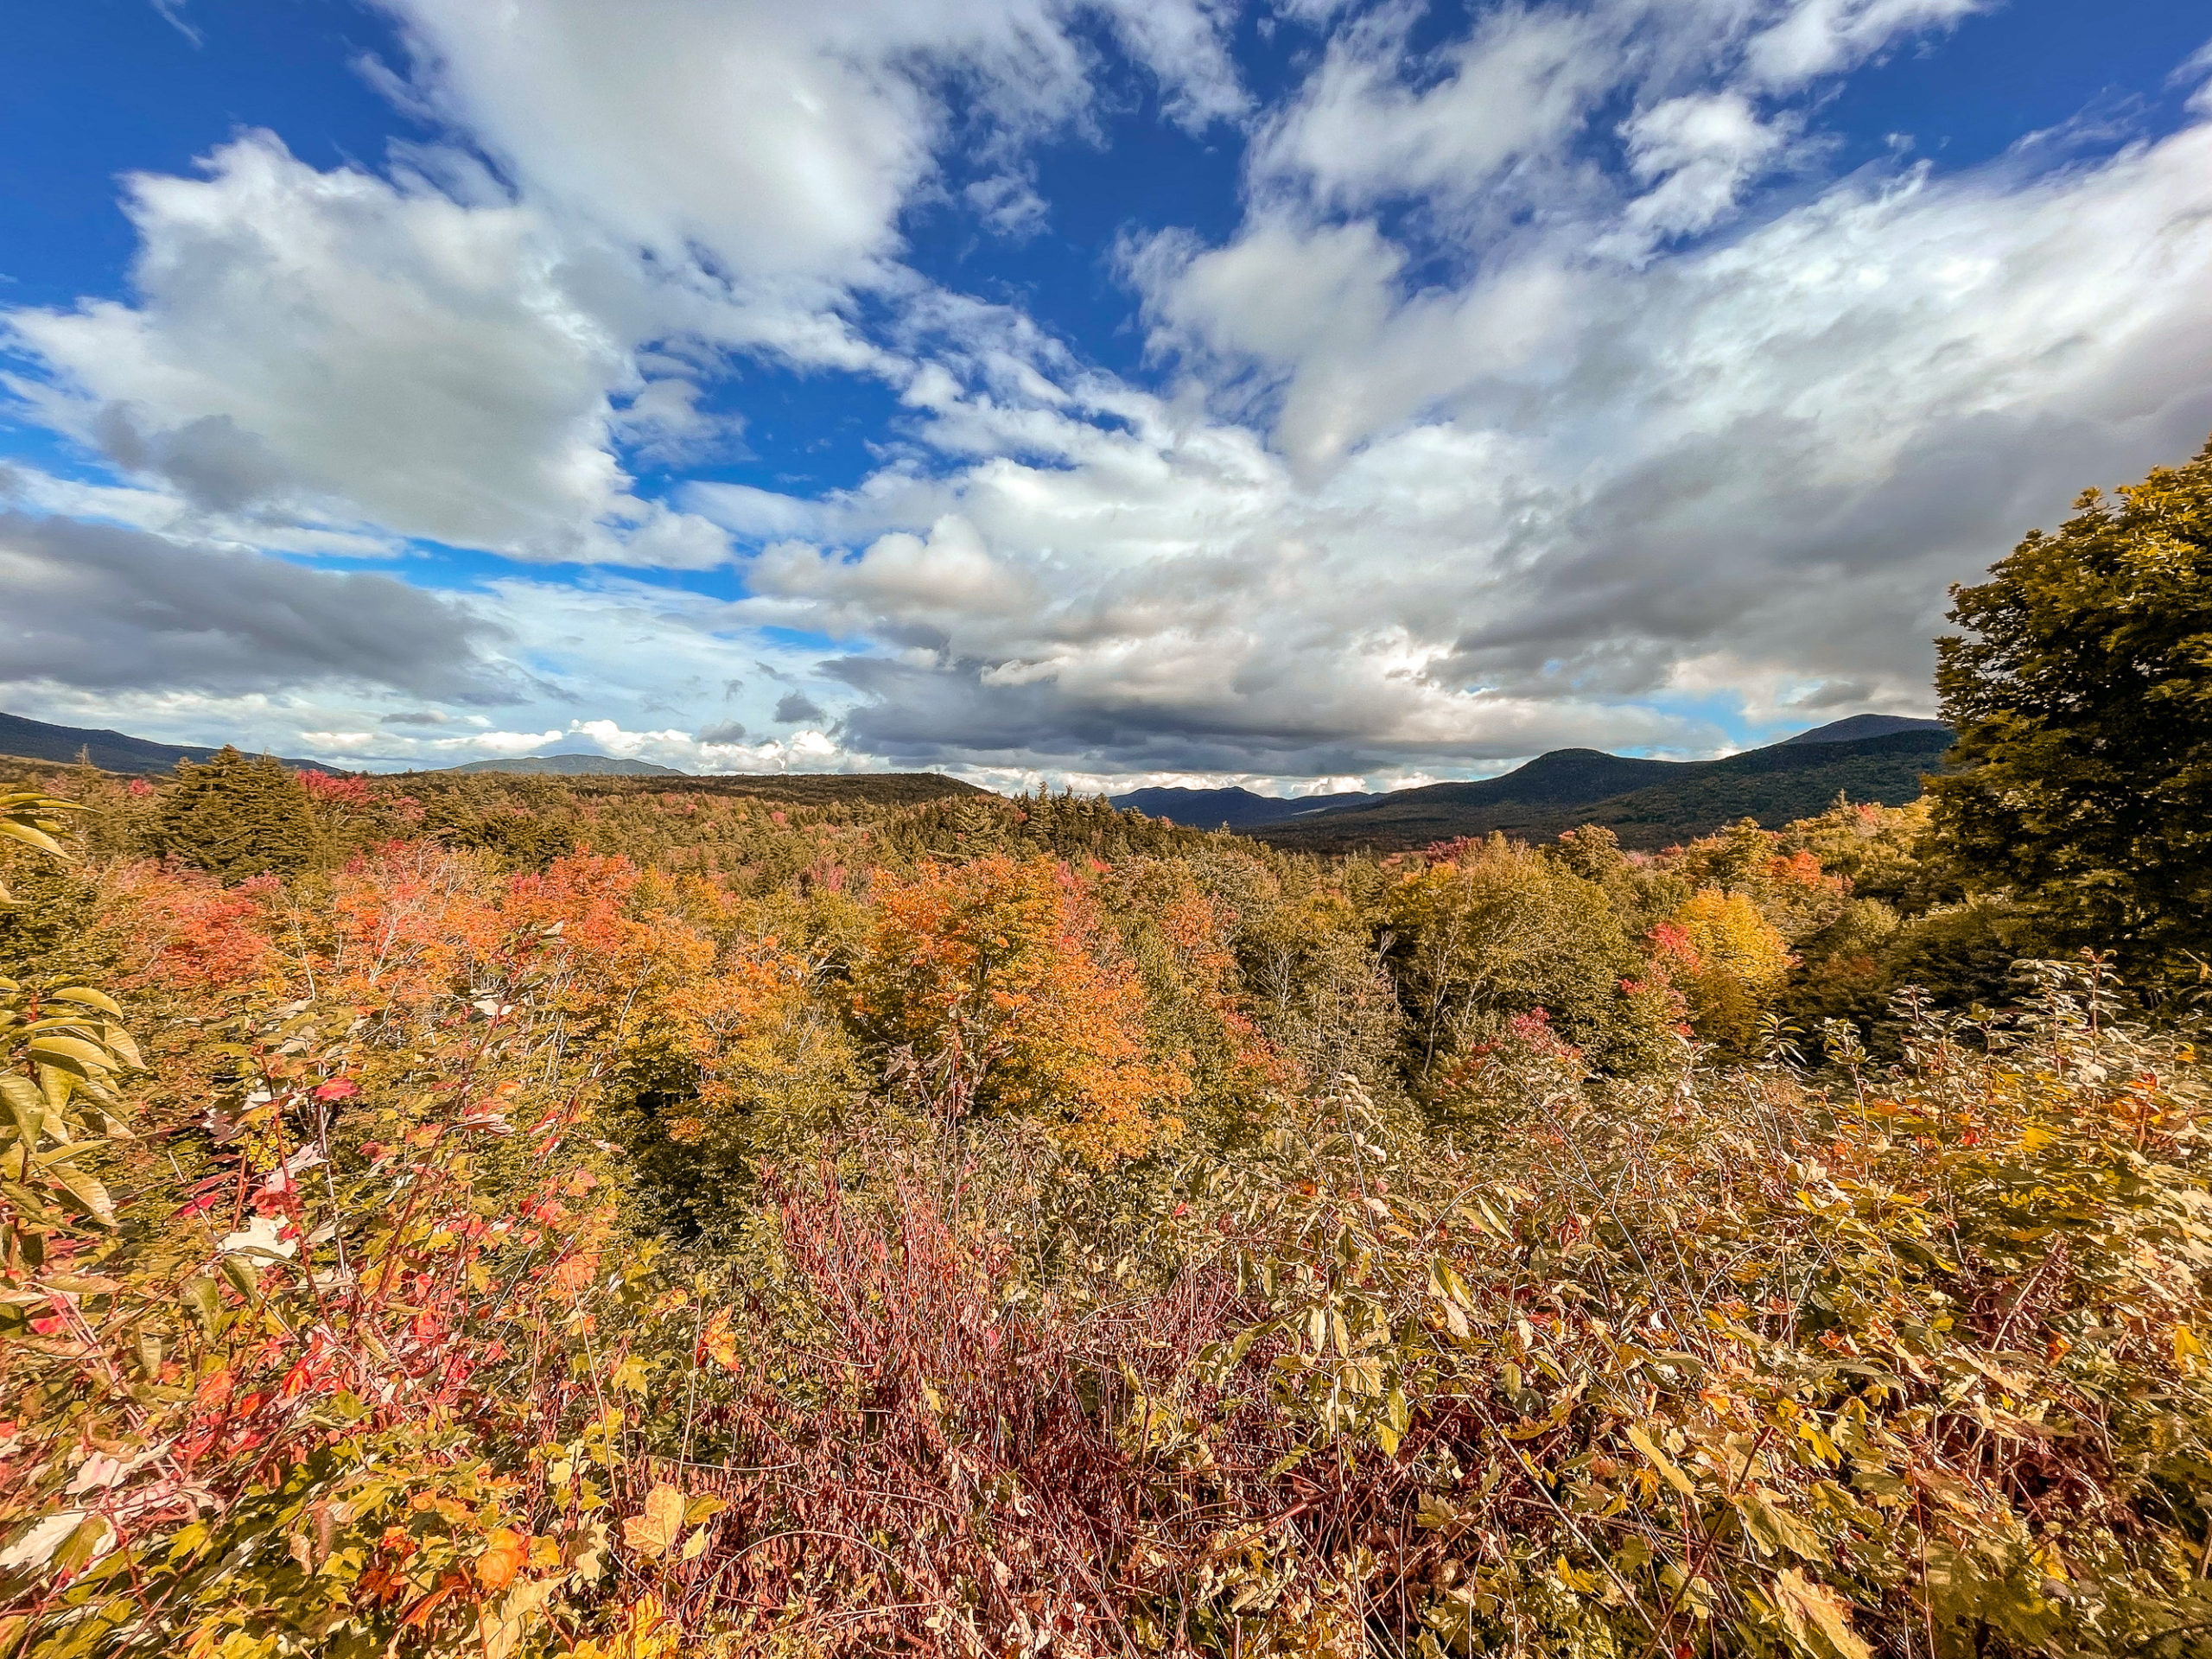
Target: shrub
(1495, 930)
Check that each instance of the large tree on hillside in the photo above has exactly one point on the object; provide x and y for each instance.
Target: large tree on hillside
(2083, 699)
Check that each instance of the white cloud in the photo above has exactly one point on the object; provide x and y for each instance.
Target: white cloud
(1697, 152)
(465, 354)
(340, 346)
(1819, 37)
(1512, 93)
(1512, 416)
(1501, 515)
(781, 141)
(2198, 68)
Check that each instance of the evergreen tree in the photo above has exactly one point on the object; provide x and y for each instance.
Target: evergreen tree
(238, 818)
(2083, 705)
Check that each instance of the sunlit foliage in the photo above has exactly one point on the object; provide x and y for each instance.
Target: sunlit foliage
(614, 1219)
(2082, 698)
(994, 987)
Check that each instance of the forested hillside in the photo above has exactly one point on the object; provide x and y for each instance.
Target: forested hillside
(36, 740)
(617, 1217)
(1649, 804)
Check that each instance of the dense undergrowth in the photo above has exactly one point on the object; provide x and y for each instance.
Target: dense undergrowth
(531, 1220)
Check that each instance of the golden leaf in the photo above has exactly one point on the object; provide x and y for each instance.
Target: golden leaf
(651, 1533)
(504, 1552)
(501, 1631)
(1810, 1609)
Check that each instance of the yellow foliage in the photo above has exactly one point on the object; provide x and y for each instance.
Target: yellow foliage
(1729, 961)
(1000, 985)
(1728, 935)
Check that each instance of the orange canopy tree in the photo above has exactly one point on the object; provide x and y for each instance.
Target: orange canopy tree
(995, 987)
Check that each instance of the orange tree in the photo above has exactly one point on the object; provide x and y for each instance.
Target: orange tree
(995, 987)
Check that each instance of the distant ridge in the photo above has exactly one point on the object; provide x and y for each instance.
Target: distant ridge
(572, 766)
(1648, 804)
(1864, 726)
(1240, 809)
(34, 740)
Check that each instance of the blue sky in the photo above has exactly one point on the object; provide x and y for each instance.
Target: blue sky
(1143, 391)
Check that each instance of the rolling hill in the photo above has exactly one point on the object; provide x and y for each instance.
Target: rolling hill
(1858, 726)
(1648, 804)
(1236, 808)
(34, 740)
(572, 766)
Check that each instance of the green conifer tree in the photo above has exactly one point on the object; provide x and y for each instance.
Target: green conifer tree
(238, 818)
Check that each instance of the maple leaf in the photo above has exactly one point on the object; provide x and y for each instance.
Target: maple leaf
(504, 1554)
(653, 1532)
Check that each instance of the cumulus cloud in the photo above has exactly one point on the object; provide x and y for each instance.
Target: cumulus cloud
(1519, 410)
(1697, 152)
(465, 354)
(341, 344)
(1495, 132)
(783, 140)
(796, 705)
(1362, 132)
(1751, 469)
(104, 608)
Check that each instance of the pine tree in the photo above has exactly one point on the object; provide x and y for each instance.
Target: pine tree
(238, 818)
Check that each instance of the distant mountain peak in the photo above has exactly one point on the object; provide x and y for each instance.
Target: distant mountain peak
(1855, 727)
(36, 740)
(572, 766)
(1240, 809)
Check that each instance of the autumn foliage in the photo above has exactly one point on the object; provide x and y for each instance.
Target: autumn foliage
(620, 1225)
(993, 984)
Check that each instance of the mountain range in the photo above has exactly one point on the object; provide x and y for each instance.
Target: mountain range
(34, 740)
(573, 766)
(1648, 804)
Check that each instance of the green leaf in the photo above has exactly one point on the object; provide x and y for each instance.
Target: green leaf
(27, 1108)
(88, 997)
(1813, 1609)
(70, 1054)
(1666, 1465)
(125, 1047)
(204, 1298)
(243, 1277)
(31, 835)
(88, 1191)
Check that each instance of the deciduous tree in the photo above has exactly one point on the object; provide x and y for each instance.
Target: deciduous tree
(2082, 698)
(999, 982)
